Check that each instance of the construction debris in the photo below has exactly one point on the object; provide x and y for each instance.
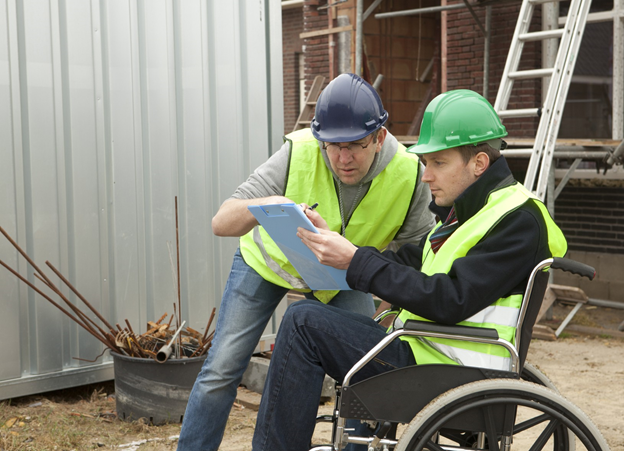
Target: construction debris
(173, 340)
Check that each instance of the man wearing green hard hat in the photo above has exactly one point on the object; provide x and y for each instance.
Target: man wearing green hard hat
(471, 269)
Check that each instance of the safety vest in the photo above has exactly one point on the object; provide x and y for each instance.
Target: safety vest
(375, 221)
(503, 314)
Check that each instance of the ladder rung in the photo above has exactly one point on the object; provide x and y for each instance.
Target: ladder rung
(524, 112)
(305, 122)
(541, 35)
(311, 103)
(511, 153)
(534, 73)
(539, 2)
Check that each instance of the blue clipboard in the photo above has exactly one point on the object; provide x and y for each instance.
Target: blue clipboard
(281, 221)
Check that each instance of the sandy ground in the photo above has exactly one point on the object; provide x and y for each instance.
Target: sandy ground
(587, 369)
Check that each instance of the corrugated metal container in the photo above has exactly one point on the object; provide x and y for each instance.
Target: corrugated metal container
(109, 109)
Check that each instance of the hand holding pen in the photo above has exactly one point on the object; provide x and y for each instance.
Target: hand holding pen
(315, 217)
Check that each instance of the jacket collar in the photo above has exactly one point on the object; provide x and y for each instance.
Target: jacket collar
(497, 176)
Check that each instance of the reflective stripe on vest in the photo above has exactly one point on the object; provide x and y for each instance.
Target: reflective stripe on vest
(502, 314)
(375, 221)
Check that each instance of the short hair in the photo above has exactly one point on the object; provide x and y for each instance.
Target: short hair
(468, 151)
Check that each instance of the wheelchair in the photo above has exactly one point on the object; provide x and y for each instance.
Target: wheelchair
(454, 407)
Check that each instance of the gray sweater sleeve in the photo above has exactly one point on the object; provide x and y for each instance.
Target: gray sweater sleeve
(269, 179)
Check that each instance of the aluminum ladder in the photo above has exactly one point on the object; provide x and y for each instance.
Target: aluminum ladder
(560, 76)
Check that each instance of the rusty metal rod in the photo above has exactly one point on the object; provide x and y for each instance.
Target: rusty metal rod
(179, 317)
(41, 275)
(209, 323)
(42, 294)
(76, 310)
(80, 296)
(28, 259)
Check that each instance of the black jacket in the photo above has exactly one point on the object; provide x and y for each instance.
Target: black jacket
(498, 266)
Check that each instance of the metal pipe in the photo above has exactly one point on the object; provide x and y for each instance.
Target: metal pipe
(358, 36)
(377, 82)
(80, 296)
(42, 294)
(414, 12)
(371, 8)
(163, 354)
(178, 257)
(605, 303)
(566, 153)
(617, 155)
(486, 51)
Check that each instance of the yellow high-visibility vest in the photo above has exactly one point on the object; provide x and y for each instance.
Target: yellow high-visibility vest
(502, 315)
(374, 222)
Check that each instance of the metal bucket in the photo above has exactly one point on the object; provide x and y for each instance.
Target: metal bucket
(155, 391)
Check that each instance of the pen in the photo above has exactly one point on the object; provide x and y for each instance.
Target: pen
(313, 206)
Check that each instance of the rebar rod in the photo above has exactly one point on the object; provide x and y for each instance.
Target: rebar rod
(80, 296)
(209, 323)
(28, 259)
(74, 308)
(178, 262)
(46, 297)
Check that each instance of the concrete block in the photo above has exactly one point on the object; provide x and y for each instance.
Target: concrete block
(610, 267)
(255, 376)
(597, 289)
(616, 291)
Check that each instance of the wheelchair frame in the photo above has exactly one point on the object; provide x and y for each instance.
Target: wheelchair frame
(424, 404)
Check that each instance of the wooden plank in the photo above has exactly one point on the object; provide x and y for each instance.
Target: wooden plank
(567, 293)
(543, 332)
(312, 34)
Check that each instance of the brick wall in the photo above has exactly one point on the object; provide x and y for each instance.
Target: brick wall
(591, 215)
(292, 45)
(465, 59)
(592, 218)
(315, 48)
(400, 48)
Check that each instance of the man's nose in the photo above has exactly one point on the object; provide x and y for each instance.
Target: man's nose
(345, 154)
(426, 176)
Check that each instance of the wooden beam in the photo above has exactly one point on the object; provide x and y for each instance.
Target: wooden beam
(311, 34)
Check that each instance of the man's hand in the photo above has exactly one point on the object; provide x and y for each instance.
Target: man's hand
(330, 248)
(315, 218)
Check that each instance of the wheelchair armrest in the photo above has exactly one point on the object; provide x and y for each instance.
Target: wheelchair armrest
(379, 318)
(426, 326)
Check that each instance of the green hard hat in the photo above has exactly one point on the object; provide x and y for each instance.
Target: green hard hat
(456, 118)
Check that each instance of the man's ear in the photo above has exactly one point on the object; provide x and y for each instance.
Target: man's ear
(381, 137)
(482, 162)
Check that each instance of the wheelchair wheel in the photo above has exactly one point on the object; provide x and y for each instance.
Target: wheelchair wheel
(531, 373)
(564, 439)
(536, 414)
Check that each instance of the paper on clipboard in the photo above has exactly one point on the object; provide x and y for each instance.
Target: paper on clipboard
(280, 221)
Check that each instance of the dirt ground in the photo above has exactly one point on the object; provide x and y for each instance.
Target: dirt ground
(586, 364)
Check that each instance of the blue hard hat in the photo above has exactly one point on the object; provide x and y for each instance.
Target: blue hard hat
(348, 109)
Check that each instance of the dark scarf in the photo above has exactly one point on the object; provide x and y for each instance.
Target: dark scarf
(441, 234)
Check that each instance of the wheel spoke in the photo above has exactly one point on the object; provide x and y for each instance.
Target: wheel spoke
(545, 435)
(528, 424)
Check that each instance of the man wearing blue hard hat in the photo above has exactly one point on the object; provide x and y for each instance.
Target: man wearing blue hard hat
(471, 270)
(368, 190)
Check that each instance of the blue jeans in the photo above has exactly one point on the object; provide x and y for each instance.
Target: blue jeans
(247, 305)
(315, 340)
